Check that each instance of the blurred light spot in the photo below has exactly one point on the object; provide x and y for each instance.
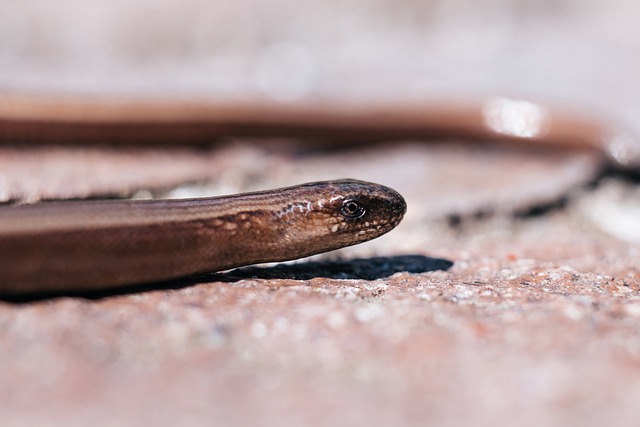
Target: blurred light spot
(614, 209)
(142, 195)
(258, 330)
(624, 149)
(619, 220)
(285, 71)
(369, 312)
(522, 119)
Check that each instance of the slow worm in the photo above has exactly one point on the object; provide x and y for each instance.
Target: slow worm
(81, 246)
(80, 120)
(77, 246)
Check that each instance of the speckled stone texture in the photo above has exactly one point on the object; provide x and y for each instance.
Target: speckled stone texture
(535, 322)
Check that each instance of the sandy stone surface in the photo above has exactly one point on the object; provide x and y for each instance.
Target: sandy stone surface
(468, 313)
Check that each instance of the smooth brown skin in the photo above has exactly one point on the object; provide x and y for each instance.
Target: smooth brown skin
(68, 119)
(82, 246)
(97, 245)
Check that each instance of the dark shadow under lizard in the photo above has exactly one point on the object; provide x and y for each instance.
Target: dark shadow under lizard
(359, 268)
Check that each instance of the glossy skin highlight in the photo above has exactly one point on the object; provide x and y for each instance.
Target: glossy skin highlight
(67, 119)
(83, 246)
(101, 245)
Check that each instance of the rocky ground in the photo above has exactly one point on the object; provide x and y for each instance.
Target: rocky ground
(494, 302)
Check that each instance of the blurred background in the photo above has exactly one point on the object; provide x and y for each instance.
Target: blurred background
(577, 54)
(574, 51)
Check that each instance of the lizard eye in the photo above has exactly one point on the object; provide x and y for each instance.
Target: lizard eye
(352, 209)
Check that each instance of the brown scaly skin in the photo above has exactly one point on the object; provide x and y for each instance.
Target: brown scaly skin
(98, 245)
(95, 245)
